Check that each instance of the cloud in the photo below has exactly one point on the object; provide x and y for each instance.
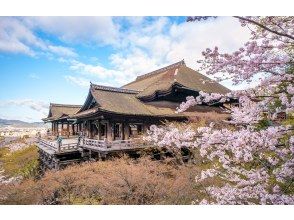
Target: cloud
(150, 43)
(99, 30)
(38, 106)
(17, 37)
(62, 51)
(98, 73)
(82, 82)
(139, 44)
(34, 76)
(162, 41)
(169, 42)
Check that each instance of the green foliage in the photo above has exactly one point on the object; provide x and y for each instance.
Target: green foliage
(20, 163)
(263, 124)
(289, 120)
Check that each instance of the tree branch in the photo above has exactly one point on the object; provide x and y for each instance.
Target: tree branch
(264, 27)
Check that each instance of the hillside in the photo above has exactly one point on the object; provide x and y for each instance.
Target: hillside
(19, 123)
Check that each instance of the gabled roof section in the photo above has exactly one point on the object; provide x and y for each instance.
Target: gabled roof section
(97, 96)
(120, 101)
(57, 111)
(178, 73)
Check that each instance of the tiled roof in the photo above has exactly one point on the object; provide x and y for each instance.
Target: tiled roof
(57, 111)
(125, 102)
(178, 73)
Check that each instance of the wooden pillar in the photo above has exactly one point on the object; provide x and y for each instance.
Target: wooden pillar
(67, 129)
(122, 131)
(89, 129)
(126, 131)
(52, 128)
(110, 130)
(56, 128)
(99, 130)
(61, 128)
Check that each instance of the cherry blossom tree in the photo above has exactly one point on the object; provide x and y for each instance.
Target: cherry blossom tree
(253, 155)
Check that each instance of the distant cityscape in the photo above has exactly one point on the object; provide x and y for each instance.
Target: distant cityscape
(17, 128)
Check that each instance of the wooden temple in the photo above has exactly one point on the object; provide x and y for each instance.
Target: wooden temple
(58, 117)
(111, 117)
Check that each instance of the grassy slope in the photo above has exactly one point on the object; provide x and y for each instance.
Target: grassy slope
(20, 163)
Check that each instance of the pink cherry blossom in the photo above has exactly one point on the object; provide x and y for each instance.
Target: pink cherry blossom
(255, 162)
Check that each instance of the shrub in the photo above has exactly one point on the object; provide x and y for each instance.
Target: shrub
(119, 181)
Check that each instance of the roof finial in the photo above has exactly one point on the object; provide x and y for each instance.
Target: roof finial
(183, 62)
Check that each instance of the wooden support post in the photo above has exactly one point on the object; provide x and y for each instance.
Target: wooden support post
(99, 130)
(110, 130)
(55, 128)
(126, 131)
(89, 130)
(58, 146)
(73, 129)
(67, 129)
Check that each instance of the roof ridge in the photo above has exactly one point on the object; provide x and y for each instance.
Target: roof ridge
(64, 105)
(113, 89)
(177, 64)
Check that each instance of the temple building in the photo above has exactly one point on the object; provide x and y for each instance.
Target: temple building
(58, 117)
(112, 114)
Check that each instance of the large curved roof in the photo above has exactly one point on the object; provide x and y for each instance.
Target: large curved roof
(178, 73)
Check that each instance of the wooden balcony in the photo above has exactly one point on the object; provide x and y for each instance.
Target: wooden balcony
(52, 147)
(71, 145)
(117, 145)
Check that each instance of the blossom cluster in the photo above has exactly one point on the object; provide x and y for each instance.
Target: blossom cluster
(255, 162)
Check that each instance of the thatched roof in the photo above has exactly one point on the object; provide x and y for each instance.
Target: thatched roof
(136, 98)
(58, 111)
(125, 102)
(178, 73)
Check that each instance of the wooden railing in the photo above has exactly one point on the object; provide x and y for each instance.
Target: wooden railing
(53, 145)
(93, 144)
(69, 147)
(113, 145)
